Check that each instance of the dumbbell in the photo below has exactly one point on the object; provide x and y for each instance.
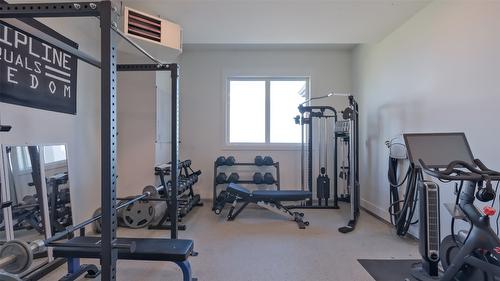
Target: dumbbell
(258, 178)
(195, 176)
(268, 178)
(268, 161)
(221, 178)
(233, 177)
(221, 161)
(230, 161)
(259, 161)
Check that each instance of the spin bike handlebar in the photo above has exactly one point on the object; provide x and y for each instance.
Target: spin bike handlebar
(454, 171)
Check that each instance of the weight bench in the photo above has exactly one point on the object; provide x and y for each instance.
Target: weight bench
(146, 249)
(269, 199)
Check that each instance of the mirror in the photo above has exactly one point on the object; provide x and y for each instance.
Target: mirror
(57, 182)
(36, 182)
(25, 190)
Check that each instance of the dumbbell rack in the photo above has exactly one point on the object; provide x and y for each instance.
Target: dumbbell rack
(276, 166)
(187, 199)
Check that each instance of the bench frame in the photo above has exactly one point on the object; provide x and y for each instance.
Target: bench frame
(75, 270)
(272, 205)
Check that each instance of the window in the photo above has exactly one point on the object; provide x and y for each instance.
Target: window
(23, 158)
(261, 110)
(54, 153)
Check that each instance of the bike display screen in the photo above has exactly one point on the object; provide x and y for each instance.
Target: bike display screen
(438, 150)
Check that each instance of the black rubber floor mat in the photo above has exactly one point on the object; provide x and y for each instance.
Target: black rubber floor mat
(389, 270)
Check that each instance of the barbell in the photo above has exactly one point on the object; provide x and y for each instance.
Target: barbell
(16, 256)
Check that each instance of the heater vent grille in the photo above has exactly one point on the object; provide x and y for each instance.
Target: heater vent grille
(153, 29)
(144, 26)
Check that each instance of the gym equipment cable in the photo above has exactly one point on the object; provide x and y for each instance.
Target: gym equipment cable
(401, 211)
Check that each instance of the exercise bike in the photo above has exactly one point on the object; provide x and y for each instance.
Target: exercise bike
(474, 254)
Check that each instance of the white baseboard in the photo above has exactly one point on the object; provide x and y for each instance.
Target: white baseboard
(376, 210)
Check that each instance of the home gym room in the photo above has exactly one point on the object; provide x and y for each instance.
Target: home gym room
(324, 140)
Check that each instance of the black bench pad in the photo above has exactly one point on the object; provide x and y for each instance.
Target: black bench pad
(147, 249)
(268, 195)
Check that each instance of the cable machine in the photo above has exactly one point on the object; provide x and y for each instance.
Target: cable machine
(346, 133)
(306, 120)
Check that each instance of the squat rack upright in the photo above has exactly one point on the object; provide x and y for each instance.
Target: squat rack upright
(108, 16)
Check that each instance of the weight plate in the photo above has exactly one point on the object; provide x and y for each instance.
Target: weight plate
(22, 251)
(138, 215)
(152, 190)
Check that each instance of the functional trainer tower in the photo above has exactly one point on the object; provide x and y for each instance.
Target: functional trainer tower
(16, 15)
(349, 131)
(306, 118)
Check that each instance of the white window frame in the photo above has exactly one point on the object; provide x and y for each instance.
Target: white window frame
(268, 145)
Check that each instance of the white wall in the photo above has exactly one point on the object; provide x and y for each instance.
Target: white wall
(80, 132)
(143, 123)
(203, 75)
(137, 131)
(436, 73)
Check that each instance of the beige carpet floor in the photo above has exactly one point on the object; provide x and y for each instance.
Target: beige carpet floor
(262, 246)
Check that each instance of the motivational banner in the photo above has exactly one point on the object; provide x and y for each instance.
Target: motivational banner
(36, 74)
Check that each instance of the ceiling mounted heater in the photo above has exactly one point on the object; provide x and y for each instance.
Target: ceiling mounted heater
(141, 25)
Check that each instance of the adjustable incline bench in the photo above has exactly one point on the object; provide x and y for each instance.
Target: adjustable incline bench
(146, 249)
(269, 199)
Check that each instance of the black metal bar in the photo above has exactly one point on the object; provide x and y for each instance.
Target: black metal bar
(109, 254)
(234, 215)
(124, 246)
(144, 67)
(335, 169)
(310, 161)
(174, 176)
(46, 29)
(311, 108)
(50, 10)
(36, 174)
(81, 226)
(34, 31)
